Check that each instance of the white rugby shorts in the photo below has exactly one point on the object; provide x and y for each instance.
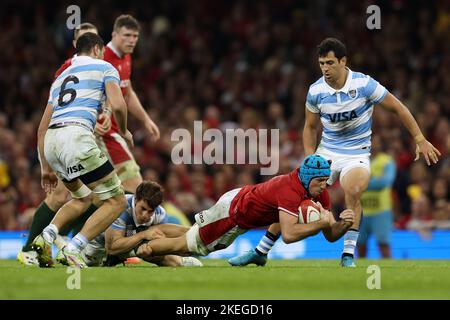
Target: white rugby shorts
(71, 151)
(341, 164)
(214, 229)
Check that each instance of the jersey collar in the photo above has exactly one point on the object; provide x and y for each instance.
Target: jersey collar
(346, 86)
(77, 58)
(114, 49)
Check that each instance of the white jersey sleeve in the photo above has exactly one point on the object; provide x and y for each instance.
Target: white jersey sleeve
(111, 74)
(374, 91)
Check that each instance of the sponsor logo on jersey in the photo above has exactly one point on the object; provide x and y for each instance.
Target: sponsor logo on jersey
(342, 116)
(74, 169)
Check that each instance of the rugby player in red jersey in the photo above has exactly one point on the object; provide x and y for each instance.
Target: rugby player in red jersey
(255, 206)
(118, 52)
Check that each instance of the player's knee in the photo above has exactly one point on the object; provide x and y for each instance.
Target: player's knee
(131, 185)
(129, 173)
(96, 201)
(118, 202)
(354, 192)
(56, 199)
(110, 190)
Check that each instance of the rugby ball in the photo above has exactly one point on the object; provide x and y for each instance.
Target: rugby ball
(309, 211)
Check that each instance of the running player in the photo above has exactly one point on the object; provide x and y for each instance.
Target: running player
(67, 148)
(343, 100)
(254, 206)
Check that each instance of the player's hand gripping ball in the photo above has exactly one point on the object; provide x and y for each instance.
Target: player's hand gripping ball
(309, 211)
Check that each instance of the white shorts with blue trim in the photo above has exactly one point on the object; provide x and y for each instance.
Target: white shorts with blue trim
(341, 164)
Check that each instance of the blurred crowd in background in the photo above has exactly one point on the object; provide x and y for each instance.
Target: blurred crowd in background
(234, 64)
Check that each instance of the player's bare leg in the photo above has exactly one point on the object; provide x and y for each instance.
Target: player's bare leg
(109, 190)
(354, 183)
(131, 185)
(128, 173)
(163, 246)
(58, 197)
(72, 208)
(106, 214)
(42, 217)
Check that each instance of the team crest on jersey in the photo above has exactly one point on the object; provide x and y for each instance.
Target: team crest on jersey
(353, 93)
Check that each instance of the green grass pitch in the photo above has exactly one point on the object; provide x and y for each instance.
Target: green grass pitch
(279, 279)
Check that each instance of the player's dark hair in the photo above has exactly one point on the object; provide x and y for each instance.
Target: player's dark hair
(151, 192)
(332, 44)
(87, 41)
(83, 26)
(127, 21)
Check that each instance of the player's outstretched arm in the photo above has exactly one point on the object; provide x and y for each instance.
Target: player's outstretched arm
(293, 231)
(339, 228)
(163, 246)
(390, 102)
(48, 177)
(116, 242)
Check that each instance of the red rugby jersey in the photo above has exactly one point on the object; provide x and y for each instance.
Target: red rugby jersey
(258, 205)
(123, 65)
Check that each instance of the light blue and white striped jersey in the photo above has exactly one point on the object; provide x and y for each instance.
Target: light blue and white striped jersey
(78, 93)
(127, 219)
(346, 114)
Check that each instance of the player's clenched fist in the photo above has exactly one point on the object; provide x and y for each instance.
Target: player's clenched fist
(153, 233)
(325, 216)
(144, 251)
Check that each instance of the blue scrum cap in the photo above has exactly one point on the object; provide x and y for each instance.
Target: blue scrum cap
(313, 166)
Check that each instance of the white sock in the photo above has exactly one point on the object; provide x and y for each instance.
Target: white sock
(78, 243)
(60, 242)
(50, 233)
(266, 243)
(350, 240)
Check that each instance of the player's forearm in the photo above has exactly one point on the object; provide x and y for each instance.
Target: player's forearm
(411, 124)
(172, 230)
(118, 105)
(300, 231)
(405, 116)
(309, 139)
(120, 112)
(124, 244)
(135, 107)
(336, 231)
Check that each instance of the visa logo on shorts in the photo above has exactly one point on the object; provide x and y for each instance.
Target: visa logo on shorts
(342, 116)
(74, 169)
